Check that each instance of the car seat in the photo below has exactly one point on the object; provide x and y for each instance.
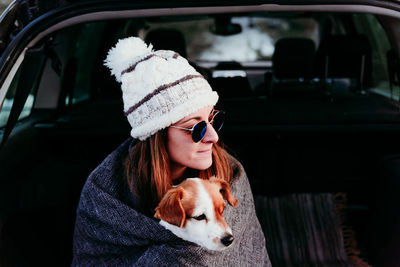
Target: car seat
(168, 39)
(293, 66)
(345, 57)
(173, 39)
(230, 80)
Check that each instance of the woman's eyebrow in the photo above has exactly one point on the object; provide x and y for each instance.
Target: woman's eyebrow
(191, 118)
(195, 118)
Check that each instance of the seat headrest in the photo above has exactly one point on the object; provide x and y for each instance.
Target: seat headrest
(167, 39)
(342, 55)
(294, 58)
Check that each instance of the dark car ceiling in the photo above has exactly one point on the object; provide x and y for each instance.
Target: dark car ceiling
(22, 12)
(28, 10)
(25, 11)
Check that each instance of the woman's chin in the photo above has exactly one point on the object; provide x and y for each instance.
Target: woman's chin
(202, 164)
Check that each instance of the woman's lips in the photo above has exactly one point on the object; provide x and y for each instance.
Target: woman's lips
(205, 151)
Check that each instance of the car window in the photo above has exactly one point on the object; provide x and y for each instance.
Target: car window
(369, 26)
(255, 42)
(86, 50)
(76, 53)
(9, 100)
(4, 4)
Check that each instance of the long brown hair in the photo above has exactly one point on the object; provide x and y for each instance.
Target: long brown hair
(147, 168)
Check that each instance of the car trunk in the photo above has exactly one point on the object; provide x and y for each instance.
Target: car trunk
(308, 142)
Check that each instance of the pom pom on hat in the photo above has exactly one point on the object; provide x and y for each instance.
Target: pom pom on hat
(158, 87)
(126, 52)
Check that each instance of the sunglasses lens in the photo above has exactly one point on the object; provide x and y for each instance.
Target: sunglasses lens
(218, 120)
(199, 130)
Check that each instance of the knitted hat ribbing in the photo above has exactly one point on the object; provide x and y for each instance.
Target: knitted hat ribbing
(158, 87)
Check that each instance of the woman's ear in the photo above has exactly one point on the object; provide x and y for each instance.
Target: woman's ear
(170, 208)
(225, 191)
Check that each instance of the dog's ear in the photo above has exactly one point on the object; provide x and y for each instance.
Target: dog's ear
(170, 208)
(225, 191)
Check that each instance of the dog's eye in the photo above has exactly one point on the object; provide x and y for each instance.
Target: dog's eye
(200, 217)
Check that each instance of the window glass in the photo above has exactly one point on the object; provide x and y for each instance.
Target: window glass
(86, 50)
(69, 41)
(254, 43)
(9, 100)
(368, 25)
(77, 47)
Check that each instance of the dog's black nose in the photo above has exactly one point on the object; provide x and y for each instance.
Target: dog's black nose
(227, 240)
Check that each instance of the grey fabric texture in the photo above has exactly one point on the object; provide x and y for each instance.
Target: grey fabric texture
(112, 230)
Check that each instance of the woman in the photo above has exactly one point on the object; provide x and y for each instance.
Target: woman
(174, 128)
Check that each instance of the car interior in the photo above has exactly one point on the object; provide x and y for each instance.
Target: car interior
(317, 115)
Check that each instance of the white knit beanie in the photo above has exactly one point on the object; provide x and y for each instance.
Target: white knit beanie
(159, 88)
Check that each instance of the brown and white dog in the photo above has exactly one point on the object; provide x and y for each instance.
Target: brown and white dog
(193, 211)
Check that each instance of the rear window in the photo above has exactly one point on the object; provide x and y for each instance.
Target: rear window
(255, 41)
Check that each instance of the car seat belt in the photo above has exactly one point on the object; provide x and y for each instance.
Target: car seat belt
(362, 73)
(67, 89)
(31, 68)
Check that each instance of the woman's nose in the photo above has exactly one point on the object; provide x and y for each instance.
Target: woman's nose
(211, 135)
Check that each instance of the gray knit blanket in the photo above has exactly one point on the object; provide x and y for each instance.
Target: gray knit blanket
(112, 229)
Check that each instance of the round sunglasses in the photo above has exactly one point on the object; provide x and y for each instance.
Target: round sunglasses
(199, 129)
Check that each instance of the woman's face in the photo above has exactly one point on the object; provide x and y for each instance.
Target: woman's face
(183, 152)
